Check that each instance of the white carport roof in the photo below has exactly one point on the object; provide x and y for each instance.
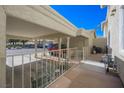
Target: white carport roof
(36, 21)
(21, 28)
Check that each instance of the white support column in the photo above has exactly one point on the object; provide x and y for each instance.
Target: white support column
(2, 48)
(35, 42)
(68, 46)
(59, 60)
(60, 41)
(44, 43)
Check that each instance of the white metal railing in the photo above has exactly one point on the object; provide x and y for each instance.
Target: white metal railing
(28, 70)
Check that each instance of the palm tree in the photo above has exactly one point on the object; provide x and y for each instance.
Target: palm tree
(23, 42)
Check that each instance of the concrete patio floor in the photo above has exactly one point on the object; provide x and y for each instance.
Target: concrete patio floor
(87, 76)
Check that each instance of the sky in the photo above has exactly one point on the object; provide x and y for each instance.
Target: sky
(83, 16)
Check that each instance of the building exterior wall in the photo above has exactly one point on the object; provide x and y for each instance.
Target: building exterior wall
(89, 36)
(100, 42)
(2, 48)
(114, 26)
(78, 42)
(120, 63)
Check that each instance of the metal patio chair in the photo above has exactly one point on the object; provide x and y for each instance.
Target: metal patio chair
(110, 64)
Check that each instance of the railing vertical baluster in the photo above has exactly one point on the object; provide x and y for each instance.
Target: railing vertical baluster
(42, 73)
(30, 70)
(65, 56)
(66, 60)
(77, 55)
(36, 74)
(46, 71)
(50, 67)
(12, 71)
(83, 53)
(62, 61)
(22, 71)
(59, 63)
(54, 65)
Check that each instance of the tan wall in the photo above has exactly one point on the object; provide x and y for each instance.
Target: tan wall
(113, 27)
(78, 42)
(100, 42)
(2, 48)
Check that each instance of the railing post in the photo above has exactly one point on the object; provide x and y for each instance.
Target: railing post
(77, 55)
(83, 53)
(42, 72)
(30, 70)
(50, 64)
(54, 67)
(46, 71)
(36, 73)
(22, 71)
(12, 71)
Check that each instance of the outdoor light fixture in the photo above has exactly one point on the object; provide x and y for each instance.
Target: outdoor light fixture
(113, 12)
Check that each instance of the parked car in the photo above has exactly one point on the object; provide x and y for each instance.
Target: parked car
(55, 47)
(29, 46)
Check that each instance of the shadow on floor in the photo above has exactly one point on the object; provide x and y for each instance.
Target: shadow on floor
(87, 76)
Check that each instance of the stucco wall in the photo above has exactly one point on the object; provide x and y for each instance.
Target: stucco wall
(120, 66)
(2, 48)
(113, 27)
(78, 42)
(100, 42)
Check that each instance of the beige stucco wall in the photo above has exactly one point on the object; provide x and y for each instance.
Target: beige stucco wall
(100, 42)
(89, 35)
(78, 42)
(2, 48)
(114, 28)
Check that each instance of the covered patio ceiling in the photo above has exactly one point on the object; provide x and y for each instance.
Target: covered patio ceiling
(36, 21)
(20, 28)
